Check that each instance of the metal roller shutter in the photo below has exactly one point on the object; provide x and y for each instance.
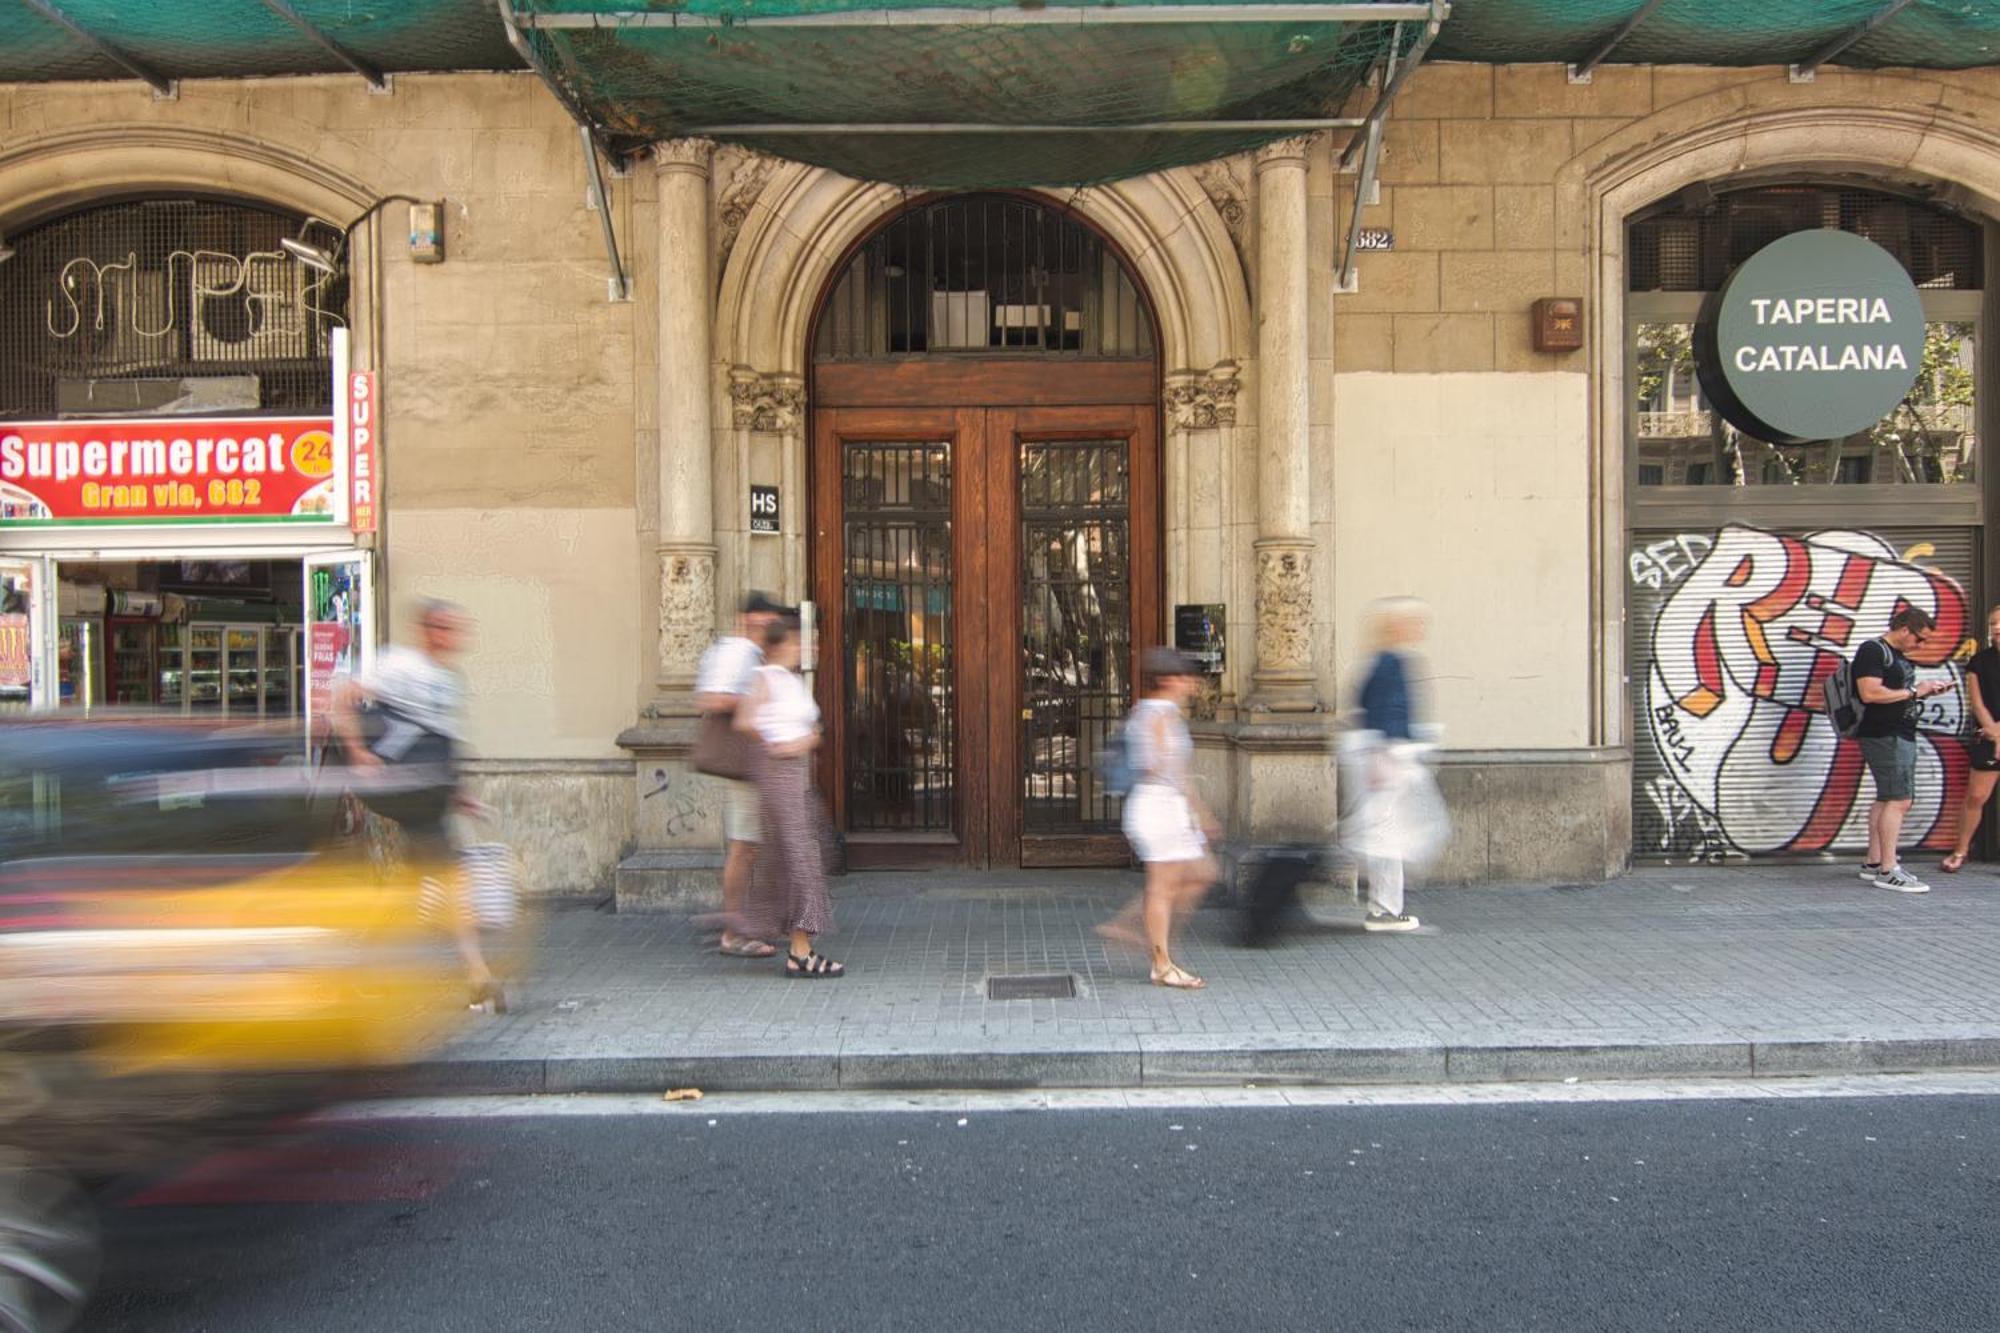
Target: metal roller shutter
(1732, 632)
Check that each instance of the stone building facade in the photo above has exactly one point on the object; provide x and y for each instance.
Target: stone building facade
(574, 468)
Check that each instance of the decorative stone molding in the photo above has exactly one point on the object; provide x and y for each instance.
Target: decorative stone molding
(1284, 677)
(1285, 151)
(1202, 401)
(692, 155)
(748, 176)
(687, 610)
(774, 403)
(1227, 186)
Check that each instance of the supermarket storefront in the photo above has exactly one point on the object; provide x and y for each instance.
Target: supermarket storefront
(186, 466)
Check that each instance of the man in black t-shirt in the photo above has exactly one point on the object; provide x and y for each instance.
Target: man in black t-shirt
(1886, 680)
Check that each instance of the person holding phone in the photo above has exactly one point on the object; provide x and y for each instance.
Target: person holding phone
(1886, 680)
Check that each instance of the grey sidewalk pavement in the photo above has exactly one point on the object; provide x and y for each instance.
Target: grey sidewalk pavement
(1733, 971)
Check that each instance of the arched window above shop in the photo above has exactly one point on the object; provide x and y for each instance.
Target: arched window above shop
(984, 275)
(1693, 241)
(160, 306)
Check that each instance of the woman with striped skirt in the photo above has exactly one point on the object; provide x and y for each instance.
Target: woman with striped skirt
(788, 892)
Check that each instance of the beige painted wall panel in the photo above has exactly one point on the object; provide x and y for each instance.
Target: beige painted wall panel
(553, 674)
(1470, 491)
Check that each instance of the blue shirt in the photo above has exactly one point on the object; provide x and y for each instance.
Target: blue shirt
(1385, 698)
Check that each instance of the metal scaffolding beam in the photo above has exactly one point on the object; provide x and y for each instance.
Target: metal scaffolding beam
(1397, 74)
(376, 78)
(949, 16)
(990, 127)
(620, 283)
(1803, 71)
(160, 83)
(1580, 71)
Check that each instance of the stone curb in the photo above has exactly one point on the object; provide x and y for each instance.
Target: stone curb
(1142, 1062)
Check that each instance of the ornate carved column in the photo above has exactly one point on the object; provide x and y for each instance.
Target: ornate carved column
(687, 502)
(1284, 680)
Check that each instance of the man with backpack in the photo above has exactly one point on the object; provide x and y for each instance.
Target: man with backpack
(1885, 679)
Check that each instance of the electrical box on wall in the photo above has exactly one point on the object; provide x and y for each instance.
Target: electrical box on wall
(427, 233)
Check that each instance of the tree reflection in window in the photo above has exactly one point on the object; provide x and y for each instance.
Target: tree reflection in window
(1931, 438)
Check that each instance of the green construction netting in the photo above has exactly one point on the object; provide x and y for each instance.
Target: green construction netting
(655, 82)
(204, 39)
(643, 83)
(1927, 34)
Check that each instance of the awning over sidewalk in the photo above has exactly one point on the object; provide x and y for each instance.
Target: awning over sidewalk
(985, 93)
(915, 92)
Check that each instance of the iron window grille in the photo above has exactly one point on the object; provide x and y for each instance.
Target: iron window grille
(163, 305)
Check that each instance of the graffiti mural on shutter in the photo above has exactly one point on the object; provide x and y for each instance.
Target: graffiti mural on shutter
(1733, 631)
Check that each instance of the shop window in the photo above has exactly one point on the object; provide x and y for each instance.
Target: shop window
(984, 275)
(1684, 250)
(148, 307)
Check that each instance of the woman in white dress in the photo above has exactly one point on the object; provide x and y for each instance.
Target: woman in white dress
(788, 883)
(1165, 820)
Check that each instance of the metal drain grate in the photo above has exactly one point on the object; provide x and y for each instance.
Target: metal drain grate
(1053, 986)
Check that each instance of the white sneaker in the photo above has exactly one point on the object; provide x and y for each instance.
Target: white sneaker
(1389, 921)
(1899, 880)
(1869, 870)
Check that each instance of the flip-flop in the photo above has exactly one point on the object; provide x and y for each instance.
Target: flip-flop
(747, 949)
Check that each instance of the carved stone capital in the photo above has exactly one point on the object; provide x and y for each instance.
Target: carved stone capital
(1284, 675)
(774, 403)
(1286, 152)
(748, 176)
(690, 155)
(1203, 400)
(687, 610)
(1226, 182)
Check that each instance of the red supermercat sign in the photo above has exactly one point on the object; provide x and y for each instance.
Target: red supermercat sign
(178, 470)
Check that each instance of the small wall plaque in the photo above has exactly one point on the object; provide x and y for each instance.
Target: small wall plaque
(1375, 238)
(764, 509)
(1199, 632)
(1558, 324)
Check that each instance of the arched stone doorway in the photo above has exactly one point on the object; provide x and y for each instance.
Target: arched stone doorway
(985, 534)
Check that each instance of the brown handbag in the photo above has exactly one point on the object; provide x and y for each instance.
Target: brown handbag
(720, 750)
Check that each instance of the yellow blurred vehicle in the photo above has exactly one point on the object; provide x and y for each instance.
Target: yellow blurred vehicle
(185, 955)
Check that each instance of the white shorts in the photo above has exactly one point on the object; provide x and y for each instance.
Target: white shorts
(1161, 827)
(740, 822)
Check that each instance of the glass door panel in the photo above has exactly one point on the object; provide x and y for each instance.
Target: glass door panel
(280, 656)
(897, 637)
(1076, 628)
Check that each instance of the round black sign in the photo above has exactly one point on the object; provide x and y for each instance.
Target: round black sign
(1817, 336)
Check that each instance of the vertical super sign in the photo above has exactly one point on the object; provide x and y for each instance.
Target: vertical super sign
(362, 444)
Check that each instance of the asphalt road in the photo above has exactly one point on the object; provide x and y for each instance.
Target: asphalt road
(1874, 1214)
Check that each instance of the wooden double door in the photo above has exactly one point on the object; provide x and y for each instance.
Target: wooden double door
(987, 576)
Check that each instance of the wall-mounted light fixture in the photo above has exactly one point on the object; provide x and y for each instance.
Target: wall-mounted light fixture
(426, 235)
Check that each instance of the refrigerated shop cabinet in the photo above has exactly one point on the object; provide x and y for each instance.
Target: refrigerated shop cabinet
(229, 670)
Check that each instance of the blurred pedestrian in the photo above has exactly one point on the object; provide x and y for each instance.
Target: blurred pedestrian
(401, 727)
(1886, 680)
(788, 880)
(1982, 699)
(1398, 821)
(727, 671)
(1165, 820)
